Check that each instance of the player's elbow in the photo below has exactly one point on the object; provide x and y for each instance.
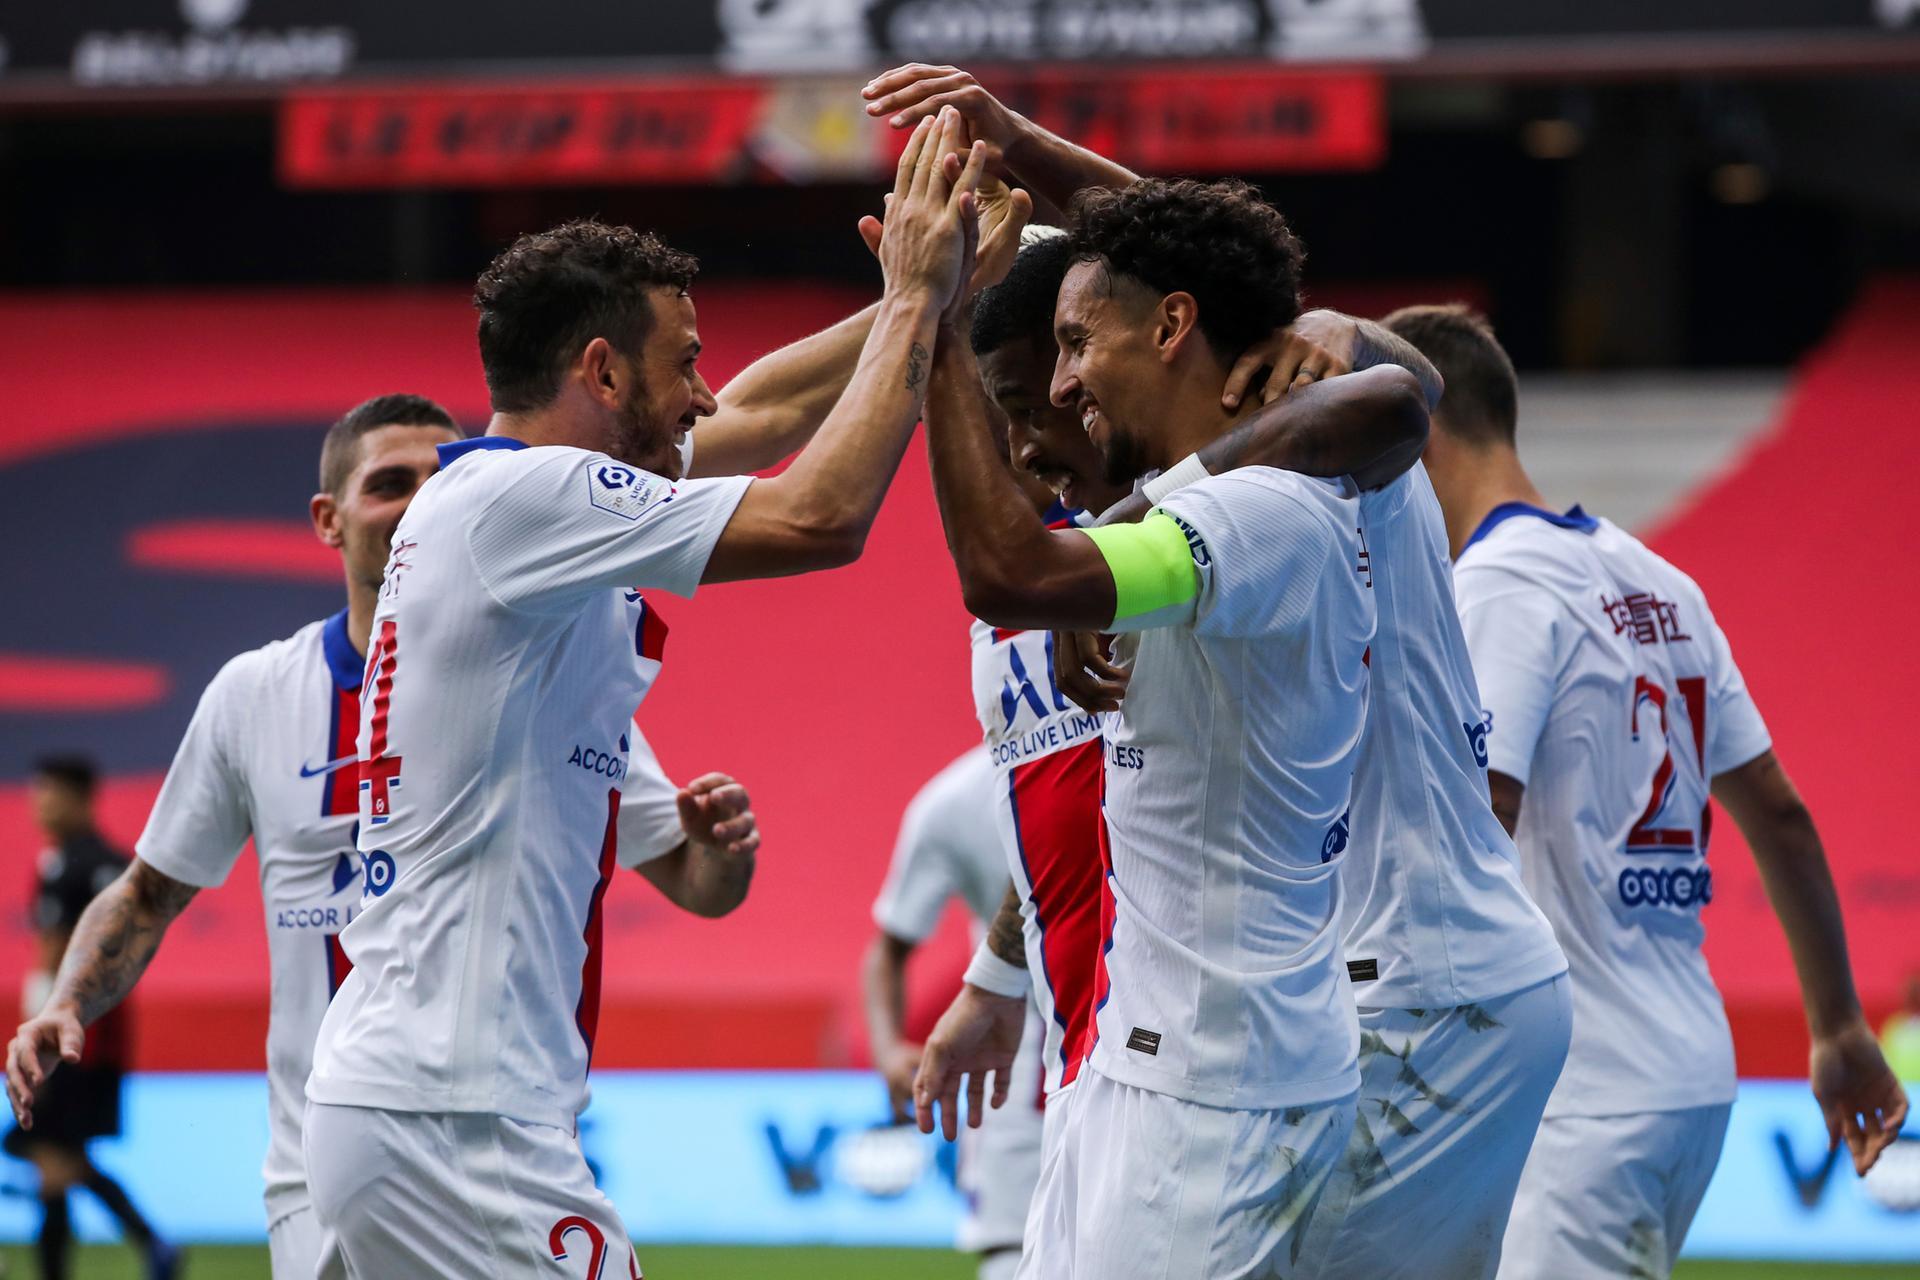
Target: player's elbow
(1401, 408)
(996, 600)
(831, 534)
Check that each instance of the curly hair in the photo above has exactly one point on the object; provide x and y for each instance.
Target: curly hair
(1219, 241)
(1482, 400)
(1020, 307)
(552, 292)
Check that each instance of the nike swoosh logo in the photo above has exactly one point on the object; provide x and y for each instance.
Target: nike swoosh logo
(328, 767)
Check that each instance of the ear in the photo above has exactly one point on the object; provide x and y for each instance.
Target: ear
(1176, 321)
(324, 510)
(600, 373)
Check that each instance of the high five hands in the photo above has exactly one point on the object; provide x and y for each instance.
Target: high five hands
(941, 154)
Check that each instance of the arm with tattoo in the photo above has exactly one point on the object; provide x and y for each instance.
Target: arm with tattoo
(1006, 936)
(111, 946)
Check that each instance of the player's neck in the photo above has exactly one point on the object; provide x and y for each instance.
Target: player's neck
(361, 600)
(561, 422)
(1199, 419)
(1476, 482)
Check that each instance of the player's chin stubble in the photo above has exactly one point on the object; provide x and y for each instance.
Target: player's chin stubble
(1122, 459)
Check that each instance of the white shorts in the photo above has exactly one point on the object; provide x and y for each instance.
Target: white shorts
(1000, 1161)
(1046, 1248)
(1607, 1196)
(1167, 1189)
(1449, 1102)
(293, 1245)
(453, 1196)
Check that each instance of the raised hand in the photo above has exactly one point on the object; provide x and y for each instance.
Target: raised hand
(931, 224)
(978, 1035)
(46, 1040)
(1004, 213)
(911, 93)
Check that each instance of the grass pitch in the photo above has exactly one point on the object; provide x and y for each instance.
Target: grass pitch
(211, 1262)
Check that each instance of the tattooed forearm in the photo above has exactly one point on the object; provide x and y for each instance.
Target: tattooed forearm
(116, 937)
(916, 368)
(1005, 937)
(1375, 344)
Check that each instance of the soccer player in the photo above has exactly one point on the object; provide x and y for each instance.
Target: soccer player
(83, 1103)
(270, 755)
(945, 851)
(1218, 1091)
(1614, 711)
(1048, 755)
(1464, 1008)
(515, 631)
(1463, 1024)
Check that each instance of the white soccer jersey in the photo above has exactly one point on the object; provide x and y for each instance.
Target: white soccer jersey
(1436, 914)
(511, 645)
(1615, 699)
(1045, 763)
(270, 754)
(1228, 776)
(944, 851)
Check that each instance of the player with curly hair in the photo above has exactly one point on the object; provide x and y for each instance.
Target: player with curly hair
(1217, 1096)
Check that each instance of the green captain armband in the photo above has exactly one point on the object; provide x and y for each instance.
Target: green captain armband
(1155, 582)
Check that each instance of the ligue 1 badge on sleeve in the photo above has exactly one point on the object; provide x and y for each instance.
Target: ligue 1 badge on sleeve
(623, 491)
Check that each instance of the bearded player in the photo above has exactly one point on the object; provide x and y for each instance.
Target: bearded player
(1223, 1027)
(517, 625)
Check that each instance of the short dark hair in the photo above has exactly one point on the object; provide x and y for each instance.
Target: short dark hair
(338, 450)
(1219, 241)
(1020, 307)
(553, 292)
(1482, 401)
(75, 772)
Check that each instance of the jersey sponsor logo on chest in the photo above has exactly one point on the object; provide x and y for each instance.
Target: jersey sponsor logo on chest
(325, 919)
(1045, 739)
(605, 764)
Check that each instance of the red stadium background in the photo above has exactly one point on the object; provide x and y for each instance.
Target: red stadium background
(834, 696)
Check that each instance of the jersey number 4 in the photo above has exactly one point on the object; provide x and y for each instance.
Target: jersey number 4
(380, 772)
(1645, 837)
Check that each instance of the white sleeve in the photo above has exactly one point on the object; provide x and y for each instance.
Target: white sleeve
(565, 523)
(201, 819)
(1259, 550)
(1515, 632)
(1736, 733)
(649, 823)
(921, 879)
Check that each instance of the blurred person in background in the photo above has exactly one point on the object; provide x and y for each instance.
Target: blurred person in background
(1614, 711)
(1900, 1034)
(84, 1102)
(948, 849)
(269, 755)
